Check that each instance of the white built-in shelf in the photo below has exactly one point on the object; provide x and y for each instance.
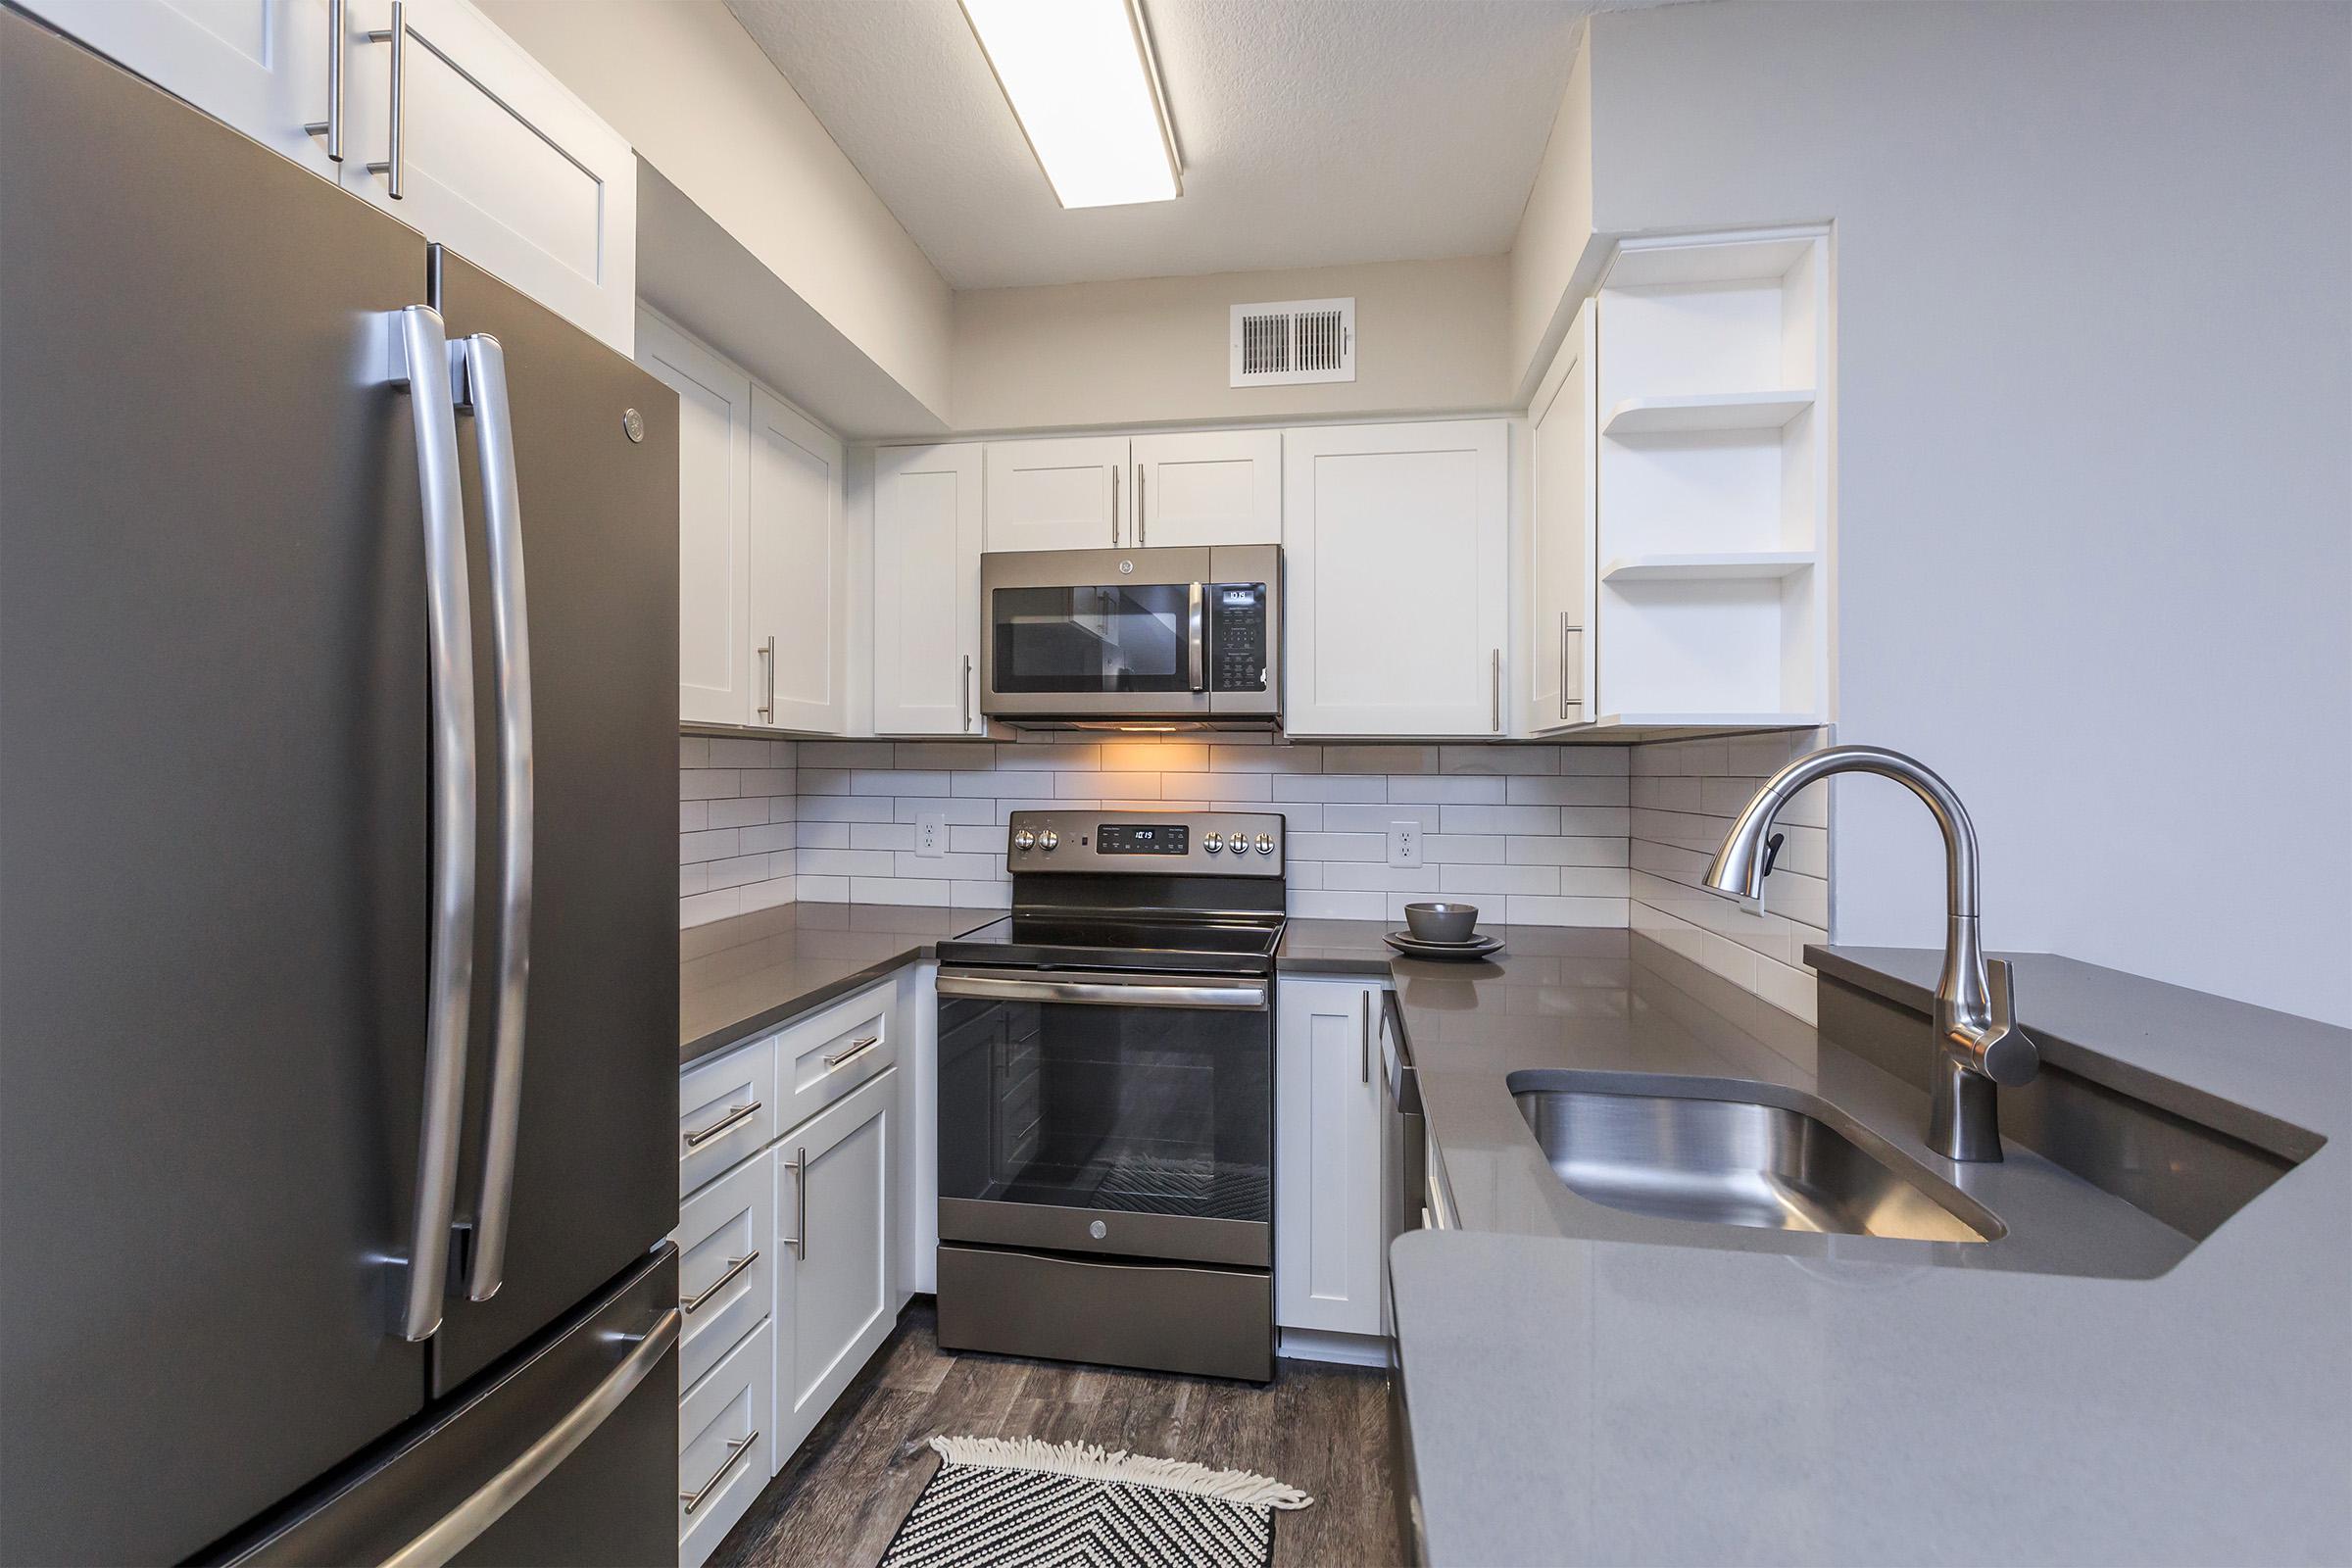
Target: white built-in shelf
(1714, 564)
(1707, 410)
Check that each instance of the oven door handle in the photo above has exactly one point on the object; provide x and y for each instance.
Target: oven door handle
(1087, 988)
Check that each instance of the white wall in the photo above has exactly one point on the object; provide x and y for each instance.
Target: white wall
(1555, 258)
(694, 95)
(1430, 337)
(2095, 482)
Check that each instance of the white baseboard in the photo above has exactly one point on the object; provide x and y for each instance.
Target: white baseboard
(1320, 1345)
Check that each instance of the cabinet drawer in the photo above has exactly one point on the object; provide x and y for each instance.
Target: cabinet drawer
(726, 1263)
(727, 1448)
(726, 1110)
(823, 1058)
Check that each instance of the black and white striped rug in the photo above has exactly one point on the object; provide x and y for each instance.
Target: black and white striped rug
(1019, 1502)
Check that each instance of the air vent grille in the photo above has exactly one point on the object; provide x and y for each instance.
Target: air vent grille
(1292, 341)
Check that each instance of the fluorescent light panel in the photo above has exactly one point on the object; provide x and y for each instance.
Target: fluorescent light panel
(1079, 77)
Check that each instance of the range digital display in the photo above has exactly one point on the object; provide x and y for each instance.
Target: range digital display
(1143, 838)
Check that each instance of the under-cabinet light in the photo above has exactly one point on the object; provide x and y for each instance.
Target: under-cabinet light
(1082, 82)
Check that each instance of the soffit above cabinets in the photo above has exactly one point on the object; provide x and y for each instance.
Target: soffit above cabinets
(1313, 132)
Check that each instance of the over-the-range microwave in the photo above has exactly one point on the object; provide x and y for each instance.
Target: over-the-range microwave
(1183, 637)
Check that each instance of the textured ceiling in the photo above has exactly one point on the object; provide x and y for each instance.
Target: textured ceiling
(1313, 132)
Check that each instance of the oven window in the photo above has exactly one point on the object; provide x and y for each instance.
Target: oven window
(1120, 638)
(1154, 1111)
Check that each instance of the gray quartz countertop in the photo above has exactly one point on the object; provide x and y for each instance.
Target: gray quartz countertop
(739, 976)
(1586, 1385)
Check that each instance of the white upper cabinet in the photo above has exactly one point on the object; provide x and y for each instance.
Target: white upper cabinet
(714, 524)
(495, 159)
(1560, 575)
(1212, 488)
(262, 66)
(799, 571)
(1067, 494)
(927, 590)
(1397, 540)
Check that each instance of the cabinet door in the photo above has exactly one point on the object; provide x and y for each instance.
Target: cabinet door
(1398, 539)
(1328, 1180)
(835, 1264)
(800, 571)
(716, 667)
(1213, 487)
(258, 65)
(927, 590)
(1058, 495)
(497, 161)
(1566, 491)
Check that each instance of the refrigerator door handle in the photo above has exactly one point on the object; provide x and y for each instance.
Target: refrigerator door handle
(479, 370)
(455, 1529)
(419, 360)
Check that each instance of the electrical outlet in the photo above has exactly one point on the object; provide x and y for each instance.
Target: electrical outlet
(1405, 843)
(931, 835)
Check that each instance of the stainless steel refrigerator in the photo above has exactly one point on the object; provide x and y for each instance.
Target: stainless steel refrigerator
(338, 632)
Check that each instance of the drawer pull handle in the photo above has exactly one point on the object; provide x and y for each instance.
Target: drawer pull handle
(798, 1164)
(735, 1266)
(736, 1117)
(737, 1448)
(857, 1047)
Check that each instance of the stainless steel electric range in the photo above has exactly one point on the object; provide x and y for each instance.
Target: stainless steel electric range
(1107, 1097)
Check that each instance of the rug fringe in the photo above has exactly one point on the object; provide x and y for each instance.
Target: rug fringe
(1090, 1462)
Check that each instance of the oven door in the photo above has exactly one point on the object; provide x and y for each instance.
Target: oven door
(1094, 633)
(1129, 1115)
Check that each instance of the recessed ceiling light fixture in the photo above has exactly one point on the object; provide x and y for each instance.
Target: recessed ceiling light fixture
(1082, 82)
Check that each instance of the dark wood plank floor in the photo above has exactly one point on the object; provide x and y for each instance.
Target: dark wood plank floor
(1324, 1429)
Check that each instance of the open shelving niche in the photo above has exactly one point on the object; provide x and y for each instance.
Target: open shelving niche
(1713, 476)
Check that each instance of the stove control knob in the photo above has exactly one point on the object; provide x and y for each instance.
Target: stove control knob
(1265, 843)
(1023, 839)
(1213, 843)
(1048, 839)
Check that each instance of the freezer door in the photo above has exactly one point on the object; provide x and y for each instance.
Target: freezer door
(594, 1125)
(212, 725)
(566, 1456)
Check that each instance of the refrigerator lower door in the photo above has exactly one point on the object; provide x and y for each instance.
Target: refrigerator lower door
(213, 732)
(595, 1126)
(566, 1456)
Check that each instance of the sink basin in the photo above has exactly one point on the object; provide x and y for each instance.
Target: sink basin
(1727, 1161)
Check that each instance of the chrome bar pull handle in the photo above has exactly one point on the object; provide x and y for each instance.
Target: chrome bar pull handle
(735, 1266)
(395, 163)
(1196, 631)
(1497, 683)
(798, 1164)
(737, 1448)
(1363, 1036)
(1115, 508)
(331, 128)
(419, 353)
(1143, 518)
(968, 692)
(857, 1047)
(736, 1117)
(767, 655)
(482, 374)
(1566, 679)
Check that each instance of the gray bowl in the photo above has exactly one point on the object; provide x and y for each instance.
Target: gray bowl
(1441, 922)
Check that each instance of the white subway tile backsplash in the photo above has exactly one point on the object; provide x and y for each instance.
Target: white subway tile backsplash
(1328, 787)
(1685, 795)
(1449, 789)
(1337, 847)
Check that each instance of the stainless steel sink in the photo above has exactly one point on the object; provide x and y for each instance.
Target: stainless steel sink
(1736, 1161)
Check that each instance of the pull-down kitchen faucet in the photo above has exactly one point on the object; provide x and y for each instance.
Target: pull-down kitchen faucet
(1976, 1028)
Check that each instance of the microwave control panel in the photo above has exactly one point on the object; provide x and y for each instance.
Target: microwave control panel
(1237, 653)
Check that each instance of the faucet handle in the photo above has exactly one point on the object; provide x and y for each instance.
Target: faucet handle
(2004, 1052)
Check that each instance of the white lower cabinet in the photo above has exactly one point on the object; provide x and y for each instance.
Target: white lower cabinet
(726, 1445)
(1329, 1183)
(789, 1244)
(836, 1264)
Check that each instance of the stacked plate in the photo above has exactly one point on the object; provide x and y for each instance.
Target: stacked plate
(1413, 946)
